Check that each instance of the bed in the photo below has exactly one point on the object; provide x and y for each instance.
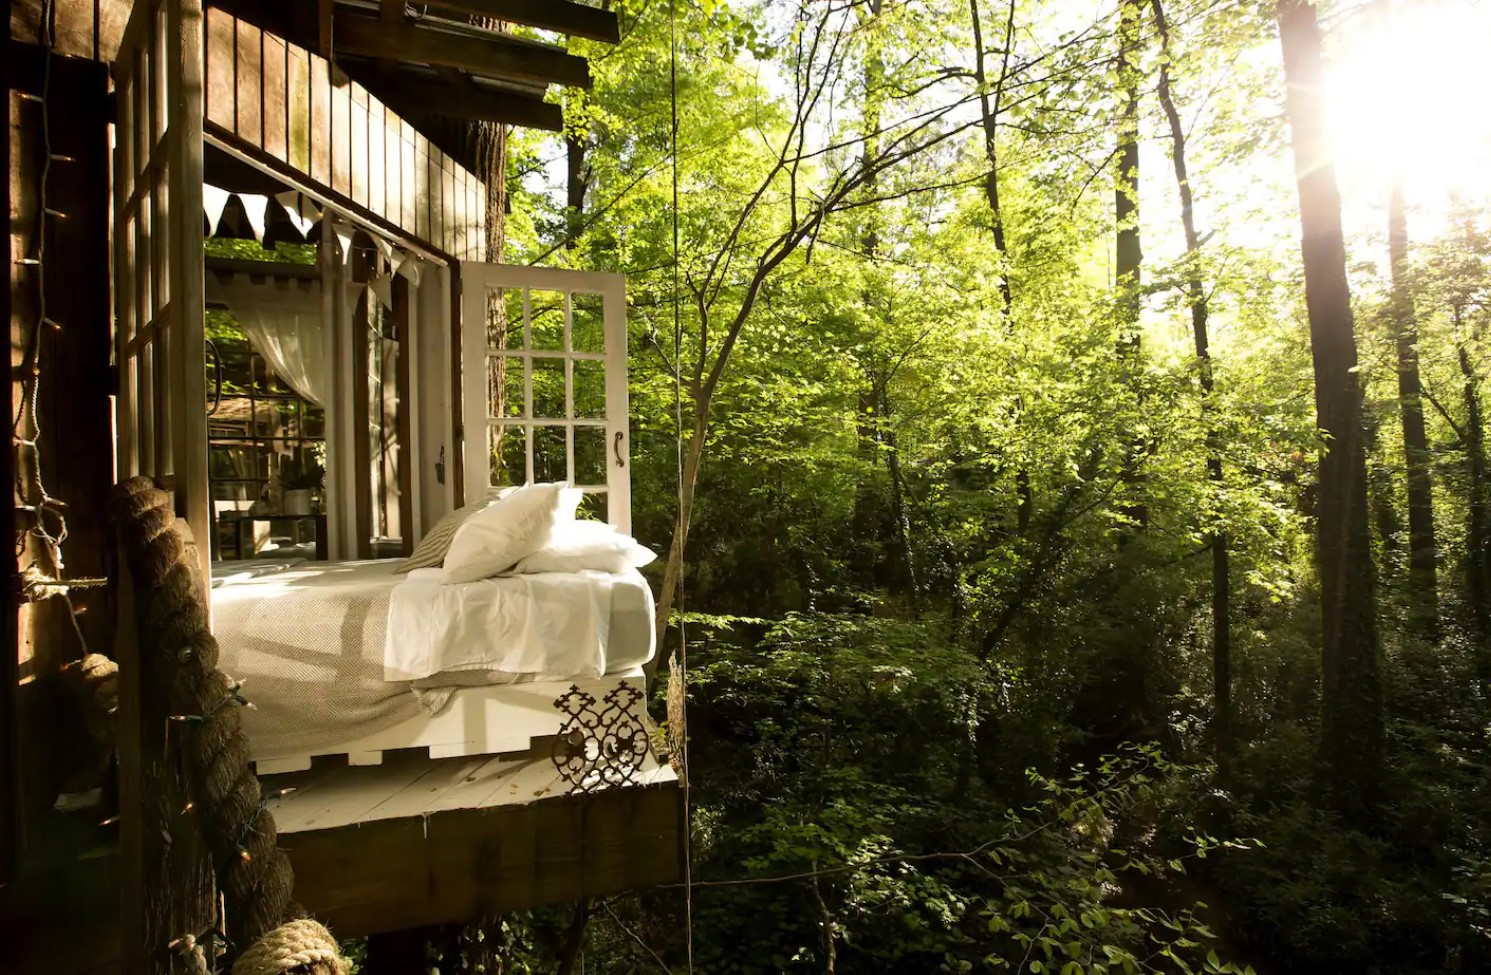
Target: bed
(351, 658)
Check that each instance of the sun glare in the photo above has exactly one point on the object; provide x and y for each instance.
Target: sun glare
(1412, 94)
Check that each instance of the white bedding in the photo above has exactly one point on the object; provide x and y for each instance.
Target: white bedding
(309, 641)
(553, 625)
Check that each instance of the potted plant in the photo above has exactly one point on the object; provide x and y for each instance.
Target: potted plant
(300, 476)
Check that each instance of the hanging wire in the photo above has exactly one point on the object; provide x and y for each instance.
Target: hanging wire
(683, 654)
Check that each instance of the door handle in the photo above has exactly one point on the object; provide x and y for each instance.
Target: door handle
(616, 448)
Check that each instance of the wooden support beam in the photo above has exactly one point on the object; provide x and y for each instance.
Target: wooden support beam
(413, 96)
(324, 28)
(456, 864)
(574, 19)
(9, 633)
(402, 321)
(362, 508)
(489, 55)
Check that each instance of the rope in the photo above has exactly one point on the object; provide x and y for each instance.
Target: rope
(253, 874)
(296, 944)
(679, 665)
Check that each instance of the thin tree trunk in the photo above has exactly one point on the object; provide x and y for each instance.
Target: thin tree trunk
(989, 104)
(1478, 527)
(1422, 550)
(1221, 584)
(1351, 697)
(574, 939)
(576, 183)
(826, 930)
(693, 455)
(1129, 254)
(901, 520)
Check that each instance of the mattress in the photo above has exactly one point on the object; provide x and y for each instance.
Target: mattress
(310, 642)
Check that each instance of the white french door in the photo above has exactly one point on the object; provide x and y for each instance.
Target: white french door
(544, 383)
(158, 307)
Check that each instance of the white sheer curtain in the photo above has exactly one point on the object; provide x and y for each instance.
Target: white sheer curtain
(283, 322)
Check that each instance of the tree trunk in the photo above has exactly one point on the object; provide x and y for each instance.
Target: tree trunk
(1478, 528)
(901, 521)
(571, 950)
(693, 455)
(1221, 583)
(1351, 698)
(576, 183)
(989, 103)
(1129, 255)
(1422, 552)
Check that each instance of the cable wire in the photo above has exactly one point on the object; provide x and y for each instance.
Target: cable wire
(683, 656)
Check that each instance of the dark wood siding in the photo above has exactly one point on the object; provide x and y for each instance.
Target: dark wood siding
(288, 108)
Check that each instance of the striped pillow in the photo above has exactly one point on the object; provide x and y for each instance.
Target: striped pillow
(430, 552)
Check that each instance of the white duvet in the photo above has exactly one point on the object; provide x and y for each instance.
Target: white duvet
(551, 625)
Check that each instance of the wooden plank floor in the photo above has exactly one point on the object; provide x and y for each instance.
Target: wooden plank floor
(408, 785)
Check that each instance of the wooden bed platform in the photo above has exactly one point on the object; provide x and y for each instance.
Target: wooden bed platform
(418, 841)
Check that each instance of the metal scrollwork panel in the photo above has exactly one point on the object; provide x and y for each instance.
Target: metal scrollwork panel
(600, 745)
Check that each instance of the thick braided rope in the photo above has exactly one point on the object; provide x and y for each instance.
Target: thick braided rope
(296, 944)
(253, 873)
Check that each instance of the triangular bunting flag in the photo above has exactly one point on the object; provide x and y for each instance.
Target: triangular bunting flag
(301, 210)
(214, 200)
(256, 208)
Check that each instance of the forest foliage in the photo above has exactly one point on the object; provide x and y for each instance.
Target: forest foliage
(954, 479)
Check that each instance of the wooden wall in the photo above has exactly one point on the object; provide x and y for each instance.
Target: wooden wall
(73, 400)
(297, 113)
(85, 28)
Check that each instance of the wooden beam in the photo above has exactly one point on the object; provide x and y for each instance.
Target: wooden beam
(574, 19)
(9, 630)
(402, 320)
(413, 95)
(452, 865)
(263, 269)
(491, 55)
(362, 509)
(324, 28)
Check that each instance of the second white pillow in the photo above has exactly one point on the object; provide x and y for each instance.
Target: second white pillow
(492, 540)
(581, 545)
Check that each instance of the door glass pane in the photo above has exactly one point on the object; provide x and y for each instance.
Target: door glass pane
(592, 506)
(548, 389)
(590, 389)
(504, 385)
(506, 453)
(546, 320)
(587, 323)
(504, 318)
(548, 454)
(590, 455)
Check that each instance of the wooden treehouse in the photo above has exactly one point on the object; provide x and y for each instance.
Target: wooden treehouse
(287, 437)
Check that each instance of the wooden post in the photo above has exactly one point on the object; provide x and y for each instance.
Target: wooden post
(402, 334)
(361, 417)
(456, 459)
(10, 644)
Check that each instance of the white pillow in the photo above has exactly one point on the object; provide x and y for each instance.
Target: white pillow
(581, 545)
(493, 539)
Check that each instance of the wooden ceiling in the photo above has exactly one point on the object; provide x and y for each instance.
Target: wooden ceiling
(444, 57)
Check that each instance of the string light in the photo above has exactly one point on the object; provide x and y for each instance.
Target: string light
(233, 698)
(37, 583)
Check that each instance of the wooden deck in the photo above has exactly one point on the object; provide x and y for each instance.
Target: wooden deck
(415, 841)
